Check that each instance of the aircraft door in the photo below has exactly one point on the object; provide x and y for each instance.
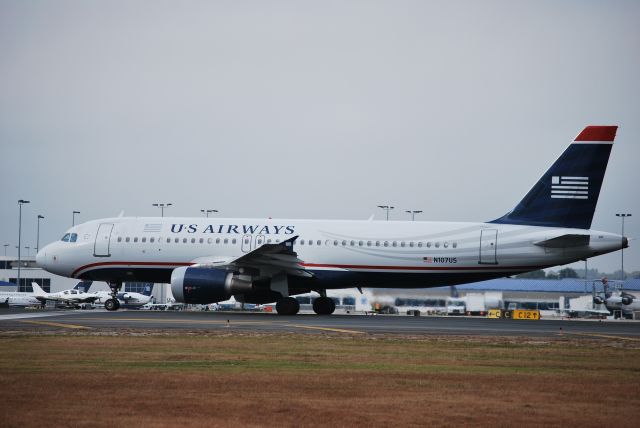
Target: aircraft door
(246, 243)
(259, 241)
(488, 247)
(101, 246)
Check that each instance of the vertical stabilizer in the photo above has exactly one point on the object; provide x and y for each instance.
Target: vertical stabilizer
(567, 194)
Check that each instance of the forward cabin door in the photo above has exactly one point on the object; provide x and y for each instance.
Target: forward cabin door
(101, 247)
(488, 247)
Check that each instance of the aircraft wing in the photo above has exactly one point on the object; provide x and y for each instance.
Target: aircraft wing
(268, 258)
(565, 241)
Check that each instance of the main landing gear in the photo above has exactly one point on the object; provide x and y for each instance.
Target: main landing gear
(324, 305)
(287, 306)
(113, 304)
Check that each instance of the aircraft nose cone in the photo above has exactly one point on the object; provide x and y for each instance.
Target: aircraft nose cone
(41, 258)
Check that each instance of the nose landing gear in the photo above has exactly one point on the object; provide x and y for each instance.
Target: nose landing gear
(113, 304)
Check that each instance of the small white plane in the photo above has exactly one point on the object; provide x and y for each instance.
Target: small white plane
(614, 298)
(72, 297)
(209, 260)
(24, 299)
(128, 299)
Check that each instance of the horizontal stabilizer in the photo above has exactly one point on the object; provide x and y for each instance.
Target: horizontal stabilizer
(565, 241)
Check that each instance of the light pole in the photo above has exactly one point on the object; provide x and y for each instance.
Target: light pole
(73, 218)
(40, 217)
(208, 211)
(5, 249)
(162, 207)
(623, 216)
(413, 213)
(20, 203)
(386, 208)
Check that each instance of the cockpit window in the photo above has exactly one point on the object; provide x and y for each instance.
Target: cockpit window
(66, 236)
(74, 237)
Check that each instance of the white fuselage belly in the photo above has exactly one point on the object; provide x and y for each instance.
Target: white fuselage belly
(149, 248)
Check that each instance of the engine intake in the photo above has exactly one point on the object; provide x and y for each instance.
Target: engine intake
(206, 285)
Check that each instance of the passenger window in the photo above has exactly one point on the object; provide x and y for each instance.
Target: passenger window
(319, 242)
(368, 243)
(454, 245)
(402, 244)
(226, 240)
(335, 243)
(377, 243)
(201, 240)
(437, 245)
(445, 245)
(386, 243)
(184, 240)
(420, 244)
(176, 240)
(127, 239)
(135, 239)
(428, 244)
(411, 244)
(344, 243)
(168, 240)
(144, 239)
(151, 240)
(233, 241)
(310, 241)
(302, 242)
(360, 243)
(209, 241)
(193, 240)
(217, 240)
(119, 238)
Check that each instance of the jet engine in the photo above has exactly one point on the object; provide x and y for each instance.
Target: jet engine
(206, 285)
(627, 299)
(598, 300)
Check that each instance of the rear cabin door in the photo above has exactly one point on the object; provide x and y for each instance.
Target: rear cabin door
(101, 247)
(488, 247)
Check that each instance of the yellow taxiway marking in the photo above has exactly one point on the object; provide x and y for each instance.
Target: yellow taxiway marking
(56, 324)
(606, 336)
(339, 330)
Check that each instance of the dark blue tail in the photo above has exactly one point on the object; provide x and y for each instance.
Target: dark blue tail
(83, 286)
(567, 194)
(148, 288)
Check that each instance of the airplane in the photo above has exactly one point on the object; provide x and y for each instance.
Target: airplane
(72, 297)
(208, 260)
(614, 298)
(23, 299)
(128, 299)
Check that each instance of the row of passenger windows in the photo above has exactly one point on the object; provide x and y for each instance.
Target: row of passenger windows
(309, 242)
(410, 244)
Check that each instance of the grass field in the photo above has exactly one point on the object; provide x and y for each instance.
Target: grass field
(315, 380)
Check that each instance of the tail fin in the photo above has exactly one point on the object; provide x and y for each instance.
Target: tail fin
(37, 291)
(83, 286)
(567, 194)
(148, 288)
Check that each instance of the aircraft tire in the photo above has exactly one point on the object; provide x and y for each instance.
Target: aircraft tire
(112, 305)
(287, 306)
(324, 306)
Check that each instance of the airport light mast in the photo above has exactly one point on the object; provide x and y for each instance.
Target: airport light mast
(413, 213)
(623, 216)
(387, 208)
(21, 202)
(162, 207)
(40, 217)
(208, 211)
(73, 218)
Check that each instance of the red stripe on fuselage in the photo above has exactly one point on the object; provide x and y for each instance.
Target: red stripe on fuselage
(323, 265)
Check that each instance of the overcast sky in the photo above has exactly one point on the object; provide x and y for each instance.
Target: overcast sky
(309, 109)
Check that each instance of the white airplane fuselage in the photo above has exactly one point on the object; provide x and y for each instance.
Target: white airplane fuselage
(338, 253)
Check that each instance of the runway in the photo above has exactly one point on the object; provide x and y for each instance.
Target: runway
(99, 320)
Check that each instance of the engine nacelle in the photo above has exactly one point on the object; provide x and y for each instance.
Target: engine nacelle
(206, 285)
(598, 300)
(627, 300)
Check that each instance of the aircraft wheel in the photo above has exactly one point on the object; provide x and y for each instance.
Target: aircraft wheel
(324, 306)
(112, 304)
(287, 306)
